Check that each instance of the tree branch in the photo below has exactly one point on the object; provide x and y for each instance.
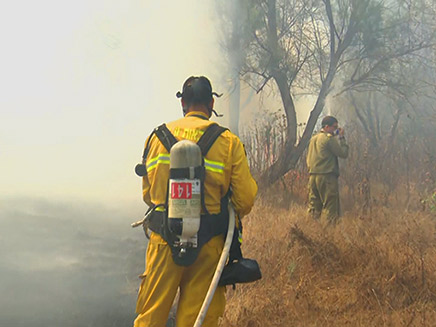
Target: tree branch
(333, 31)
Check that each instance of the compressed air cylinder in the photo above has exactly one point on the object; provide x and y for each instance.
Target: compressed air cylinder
(184, 196)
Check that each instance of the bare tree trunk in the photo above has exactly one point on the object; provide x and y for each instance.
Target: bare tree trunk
(289, 108)
(235, 97)
(292, 152)
(365, 120)
(236, 53)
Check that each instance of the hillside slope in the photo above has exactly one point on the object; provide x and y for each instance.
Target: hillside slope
(373, 271)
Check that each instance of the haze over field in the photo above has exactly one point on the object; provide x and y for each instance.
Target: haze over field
(67, 264)
(82, 85)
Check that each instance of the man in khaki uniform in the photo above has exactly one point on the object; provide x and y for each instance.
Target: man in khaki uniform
(322, 161)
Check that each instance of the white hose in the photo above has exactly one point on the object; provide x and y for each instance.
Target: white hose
(219, 269)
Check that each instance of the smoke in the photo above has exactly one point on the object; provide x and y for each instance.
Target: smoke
(85, 84)
(64, 265)
(83, 87)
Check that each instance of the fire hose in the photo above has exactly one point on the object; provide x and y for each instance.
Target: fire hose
(219, 269)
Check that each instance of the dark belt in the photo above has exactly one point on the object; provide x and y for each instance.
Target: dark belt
(210, 225)
(155, 222)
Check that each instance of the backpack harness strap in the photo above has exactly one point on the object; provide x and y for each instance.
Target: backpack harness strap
(209, 136)
(210, 224)
(165, 137)
(168, 140)
(205, 143)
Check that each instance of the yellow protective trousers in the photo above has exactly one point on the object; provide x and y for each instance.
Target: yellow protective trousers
(162, 278)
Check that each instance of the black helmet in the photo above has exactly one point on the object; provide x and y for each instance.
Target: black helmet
(197, 90)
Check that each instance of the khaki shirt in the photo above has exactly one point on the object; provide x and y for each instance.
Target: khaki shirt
(323, 153)
(226, 165)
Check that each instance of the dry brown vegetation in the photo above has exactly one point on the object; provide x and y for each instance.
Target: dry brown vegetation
(373, 270)
(377, 266)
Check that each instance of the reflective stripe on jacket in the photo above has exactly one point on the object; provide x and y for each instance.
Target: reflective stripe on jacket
(226, 165)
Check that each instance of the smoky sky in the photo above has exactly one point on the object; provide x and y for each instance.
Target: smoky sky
(84, 83)
(67, 264)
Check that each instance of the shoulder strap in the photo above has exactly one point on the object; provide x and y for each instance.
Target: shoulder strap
(165, 136)
(168, 139)
(205, 142)
(209, 137)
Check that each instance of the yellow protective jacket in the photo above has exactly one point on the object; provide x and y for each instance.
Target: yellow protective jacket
(324, 150)
(226, 165)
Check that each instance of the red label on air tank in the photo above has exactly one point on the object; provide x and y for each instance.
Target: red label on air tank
(181, 190)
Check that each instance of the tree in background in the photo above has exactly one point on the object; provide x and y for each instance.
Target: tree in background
(311, 46)
(233, 29)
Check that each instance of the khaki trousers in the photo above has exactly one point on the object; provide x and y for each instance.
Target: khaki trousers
(324, 195)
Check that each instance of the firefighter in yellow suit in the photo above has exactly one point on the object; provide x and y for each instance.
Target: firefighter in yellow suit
(322, 161)
(226, 166)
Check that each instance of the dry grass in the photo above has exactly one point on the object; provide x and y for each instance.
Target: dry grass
(375, 271)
